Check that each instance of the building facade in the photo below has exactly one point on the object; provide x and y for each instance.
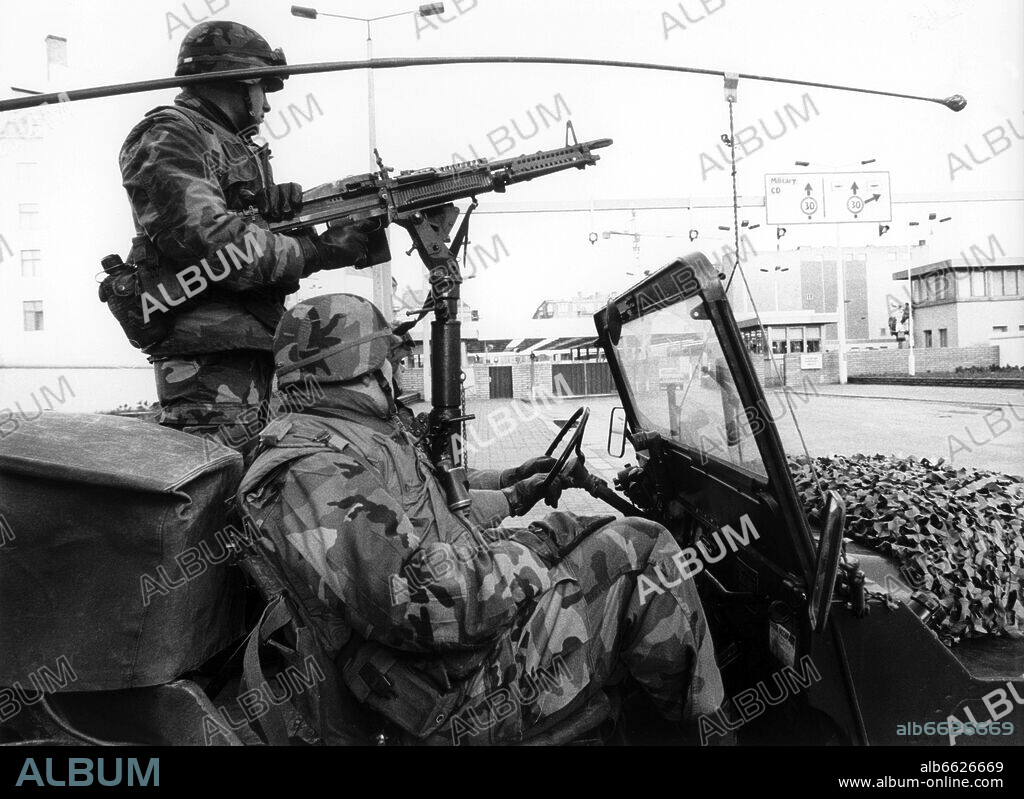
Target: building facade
(959, 303)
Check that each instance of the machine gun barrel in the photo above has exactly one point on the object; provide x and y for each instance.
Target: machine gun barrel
(380, 195)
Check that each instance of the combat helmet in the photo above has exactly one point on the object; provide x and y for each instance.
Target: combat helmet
(220, 45)
(332, 338)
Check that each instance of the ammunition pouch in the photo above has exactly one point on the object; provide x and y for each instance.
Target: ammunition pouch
(402, 689)
(122, 291)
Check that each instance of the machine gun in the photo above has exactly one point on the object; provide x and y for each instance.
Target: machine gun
(422, 202)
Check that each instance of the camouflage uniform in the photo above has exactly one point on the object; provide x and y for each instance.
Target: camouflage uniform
(498, 630)
(188, 172)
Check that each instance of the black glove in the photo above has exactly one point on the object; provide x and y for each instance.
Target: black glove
(523, 495)
(282, 201)
(338, 247)
(531, 467)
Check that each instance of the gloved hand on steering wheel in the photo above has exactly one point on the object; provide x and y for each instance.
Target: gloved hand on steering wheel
(510, 477)
(523, 495)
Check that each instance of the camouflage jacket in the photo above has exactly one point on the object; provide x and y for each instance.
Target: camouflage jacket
(352, 507)
(186, 172)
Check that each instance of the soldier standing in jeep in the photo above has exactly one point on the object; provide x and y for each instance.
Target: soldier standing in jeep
(191, 170)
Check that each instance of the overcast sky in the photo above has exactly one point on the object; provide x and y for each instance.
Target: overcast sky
(661, 123)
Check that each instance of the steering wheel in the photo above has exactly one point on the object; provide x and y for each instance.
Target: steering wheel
(580, 417)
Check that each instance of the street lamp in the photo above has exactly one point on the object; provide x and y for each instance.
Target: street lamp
(839, 166)
(932, 217)
(382, 295)
(775, 280)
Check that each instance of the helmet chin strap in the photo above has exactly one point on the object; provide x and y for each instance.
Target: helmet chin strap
(253, 99)
(385, 377)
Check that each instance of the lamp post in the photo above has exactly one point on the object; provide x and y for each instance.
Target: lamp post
(382, 293)
(775, 280)
(932, 216)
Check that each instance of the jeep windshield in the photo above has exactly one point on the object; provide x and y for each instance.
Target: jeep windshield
(681, 386)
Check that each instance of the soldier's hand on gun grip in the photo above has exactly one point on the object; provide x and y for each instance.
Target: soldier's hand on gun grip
(344, 245)
(531, 467)
(282, 201)
(522, 496)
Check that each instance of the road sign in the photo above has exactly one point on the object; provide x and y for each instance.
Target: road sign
(831, 197)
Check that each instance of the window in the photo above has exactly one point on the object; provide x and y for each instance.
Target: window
(995, 282)
(999, 328)
(28, 216)
(754, 341)
(1010, 285)
(943, 338)
(27, 178)
(779, 347)
(30, 260)
(927, 338)
(813, 335)
(944, 286)
(796, 339)
(33, 311)
(977, 283)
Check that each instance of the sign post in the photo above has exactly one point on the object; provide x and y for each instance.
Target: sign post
(816, 198)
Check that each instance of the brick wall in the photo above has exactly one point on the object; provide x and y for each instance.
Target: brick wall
(934, 359)
(528, 378)
(795, 376)
(482, 382)
(412, 380)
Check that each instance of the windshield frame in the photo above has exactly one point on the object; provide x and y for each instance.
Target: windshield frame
(686, 277)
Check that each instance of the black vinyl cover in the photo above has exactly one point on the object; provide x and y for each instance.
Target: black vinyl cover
(92, 505)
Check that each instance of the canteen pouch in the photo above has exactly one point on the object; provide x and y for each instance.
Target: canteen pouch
(387, 682)
(122, 290)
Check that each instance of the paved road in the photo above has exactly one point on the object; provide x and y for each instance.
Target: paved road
(982, 428)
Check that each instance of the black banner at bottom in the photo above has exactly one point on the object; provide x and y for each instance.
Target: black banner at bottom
(810, 771)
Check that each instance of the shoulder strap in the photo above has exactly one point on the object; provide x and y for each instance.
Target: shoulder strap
(197, 120)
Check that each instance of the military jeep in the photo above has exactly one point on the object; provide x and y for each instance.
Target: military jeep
(125, 615)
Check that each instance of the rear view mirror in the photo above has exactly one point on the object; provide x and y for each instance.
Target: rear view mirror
(617, 432)
(830, 548)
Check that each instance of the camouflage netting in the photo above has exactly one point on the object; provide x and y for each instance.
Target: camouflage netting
(956, 532)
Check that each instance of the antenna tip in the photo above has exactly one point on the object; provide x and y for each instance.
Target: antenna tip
(955, 103)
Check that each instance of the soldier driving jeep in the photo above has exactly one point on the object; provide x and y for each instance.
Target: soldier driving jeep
(351, 508)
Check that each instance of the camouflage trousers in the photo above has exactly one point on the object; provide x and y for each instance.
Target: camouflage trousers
(599, 621)
(220, 394)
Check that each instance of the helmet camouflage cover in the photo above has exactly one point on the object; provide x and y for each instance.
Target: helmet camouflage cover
(332, 338)
(221, 45)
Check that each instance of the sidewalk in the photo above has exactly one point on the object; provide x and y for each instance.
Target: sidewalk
(954, 395)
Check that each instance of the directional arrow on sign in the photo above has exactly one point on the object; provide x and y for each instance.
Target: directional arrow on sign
(854, 187)
(873, 198)
(807, 188)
